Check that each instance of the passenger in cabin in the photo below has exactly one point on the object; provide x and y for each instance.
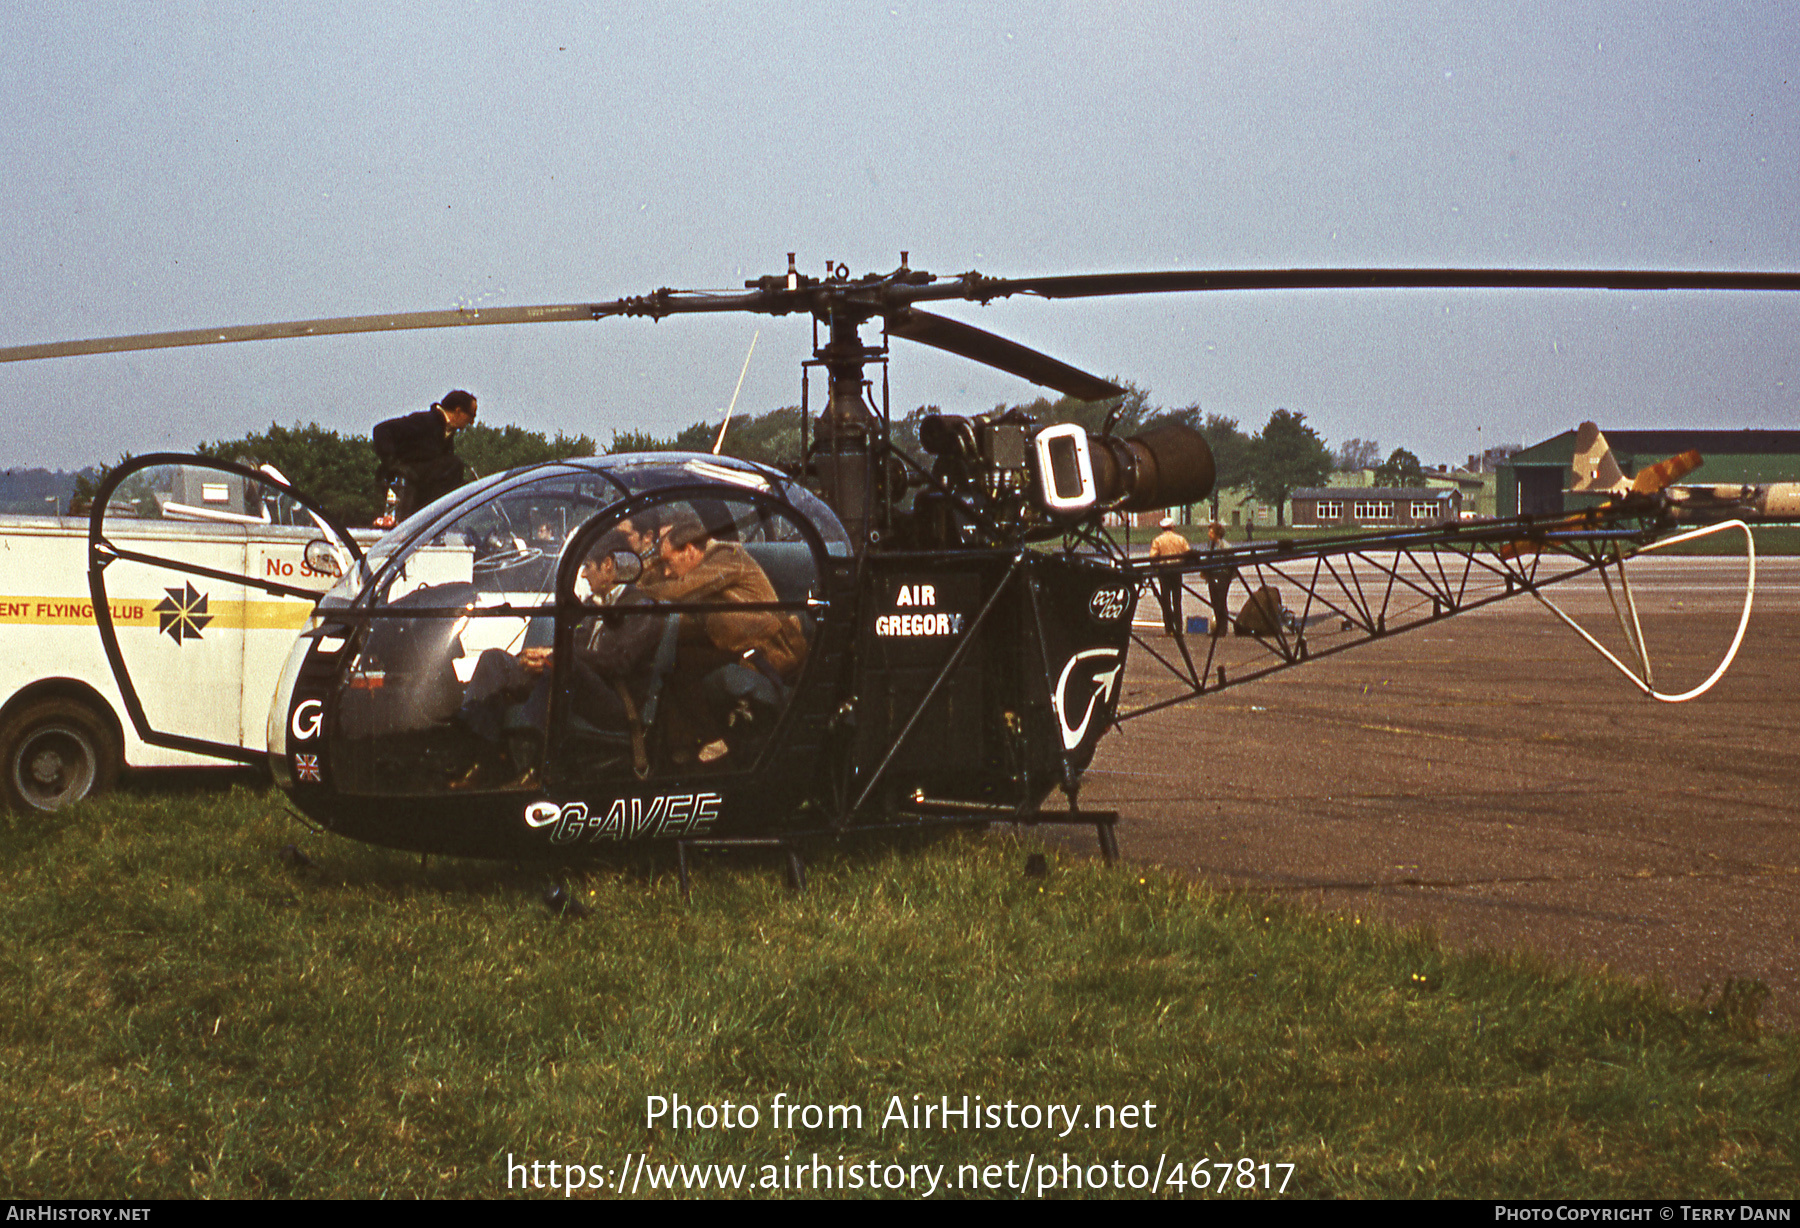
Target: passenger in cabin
(643, 531)
(733, 666)
(614, 649)
(698, 568)
(508, 696)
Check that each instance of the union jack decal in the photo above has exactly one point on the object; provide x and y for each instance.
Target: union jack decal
(307, 767)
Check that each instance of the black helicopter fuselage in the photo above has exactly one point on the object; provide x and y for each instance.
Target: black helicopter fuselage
(937, 685)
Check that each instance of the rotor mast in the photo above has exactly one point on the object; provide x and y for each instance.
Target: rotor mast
(841, 456)
(844, 458)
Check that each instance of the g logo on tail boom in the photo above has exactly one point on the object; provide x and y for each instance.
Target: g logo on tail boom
(1105, 682)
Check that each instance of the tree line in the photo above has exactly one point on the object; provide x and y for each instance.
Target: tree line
(1284, 455)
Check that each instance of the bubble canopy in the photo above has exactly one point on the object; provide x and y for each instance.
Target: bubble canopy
(517, 523)
(600, 623)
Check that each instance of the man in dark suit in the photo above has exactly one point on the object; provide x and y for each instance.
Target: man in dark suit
(421, 449)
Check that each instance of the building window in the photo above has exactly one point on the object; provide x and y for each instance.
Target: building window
(1425, 509)
(1369, 510)
(1330, 509)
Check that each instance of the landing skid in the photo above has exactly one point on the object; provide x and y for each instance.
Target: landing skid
(794, 863)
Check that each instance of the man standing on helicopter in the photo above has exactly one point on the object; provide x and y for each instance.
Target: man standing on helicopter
(421, 449)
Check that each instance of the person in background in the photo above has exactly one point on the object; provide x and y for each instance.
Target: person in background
(1169, 545)
(643, 532)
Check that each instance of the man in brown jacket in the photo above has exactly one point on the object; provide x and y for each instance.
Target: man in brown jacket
(695, 568)
(770, 643)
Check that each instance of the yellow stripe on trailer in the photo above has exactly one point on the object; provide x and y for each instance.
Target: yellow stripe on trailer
(127, 612)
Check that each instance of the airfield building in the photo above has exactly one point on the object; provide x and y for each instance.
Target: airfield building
(1374, 507)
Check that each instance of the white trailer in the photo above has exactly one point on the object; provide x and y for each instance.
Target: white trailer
(204, 654)
(207, 583)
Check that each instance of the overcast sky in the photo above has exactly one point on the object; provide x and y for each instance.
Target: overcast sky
(183, 165)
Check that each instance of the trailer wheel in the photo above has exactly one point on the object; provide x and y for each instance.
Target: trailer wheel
(57, 751)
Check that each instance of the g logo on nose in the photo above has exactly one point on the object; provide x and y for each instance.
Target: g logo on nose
(308, 715)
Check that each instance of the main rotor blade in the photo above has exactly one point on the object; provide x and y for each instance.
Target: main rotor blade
(1095, 285)
(966, 341)
(893, 298)
(313, 328)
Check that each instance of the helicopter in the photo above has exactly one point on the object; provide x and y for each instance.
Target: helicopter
(693, 649)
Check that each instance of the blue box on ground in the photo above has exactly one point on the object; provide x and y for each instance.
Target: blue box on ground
(1196, 625)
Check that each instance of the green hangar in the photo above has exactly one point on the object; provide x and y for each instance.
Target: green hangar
(1531, 482)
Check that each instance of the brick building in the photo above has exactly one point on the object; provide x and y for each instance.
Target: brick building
(1374, 507)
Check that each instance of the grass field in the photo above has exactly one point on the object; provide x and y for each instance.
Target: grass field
(183, 1011)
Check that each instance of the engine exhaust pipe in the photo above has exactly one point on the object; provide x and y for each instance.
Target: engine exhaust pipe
(1165, 466)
